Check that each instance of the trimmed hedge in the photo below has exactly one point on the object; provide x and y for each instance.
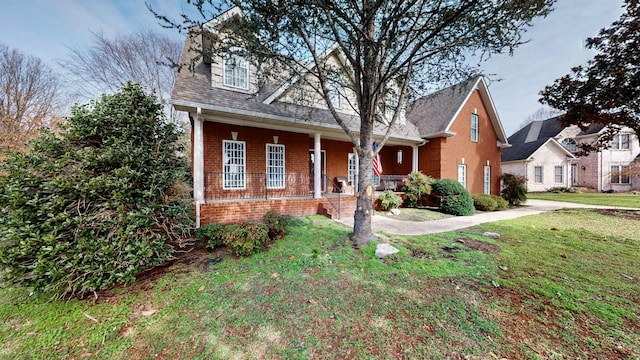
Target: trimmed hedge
(389, 200)
(485, 202)
(452, 197)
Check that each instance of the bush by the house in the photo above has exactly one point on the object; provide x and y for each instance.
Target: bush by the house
(513, 188)
(500, 202)
(276, 224)
(452, 197)
(563, 189)
(97, 203)
(389, 200)
(486, 202)
(247, 238)
(212, 235)
(416, 186)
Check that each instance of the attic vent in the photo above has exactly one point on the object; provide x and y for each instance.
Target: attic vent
(534, 131)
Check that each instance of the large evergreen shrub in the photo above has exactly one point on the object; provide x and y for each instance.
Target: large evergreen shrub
(453, 198)
(98, 203)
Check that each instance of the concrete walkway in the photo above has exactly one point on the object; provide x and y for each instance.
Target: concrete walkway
(531, 207)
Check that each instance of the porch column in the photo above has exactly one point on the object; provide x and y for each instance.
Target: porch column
(198, 164)
(317, 168)
(414, 158)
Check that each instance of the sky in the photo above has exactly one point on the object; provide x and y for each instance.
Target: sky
(48, 29)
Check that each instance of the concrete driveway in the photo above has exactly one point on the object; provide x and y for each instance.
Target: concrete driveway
(531, 207)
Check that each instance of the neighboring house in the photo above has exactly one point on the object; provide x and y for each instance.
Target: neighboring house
(257, 148)
(546, 154)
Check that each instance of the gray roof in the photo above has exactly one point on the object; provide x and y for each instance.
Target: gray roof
(433, 113)
(193, 89)
(527, 140)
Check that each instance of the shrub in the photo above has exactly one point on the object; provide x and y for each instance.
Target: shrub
(454, 199)
(276, 224)
(212, 235)
(389, 200)
(97, 203)
(416, 185)
(513, 188)
(247, 238)
(563, 189)
(500, 202)
(484, 202)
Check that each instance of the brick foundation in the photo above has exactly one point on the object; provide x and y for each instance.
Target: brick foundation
(243, 210)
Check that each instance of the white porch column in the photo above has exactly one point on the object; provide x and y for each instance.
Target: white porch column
(198, 164)
(317, 168)
(414, 158)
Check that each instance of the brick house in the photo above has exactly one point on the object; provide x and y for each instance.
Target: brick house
(546, 154)
(256, 148)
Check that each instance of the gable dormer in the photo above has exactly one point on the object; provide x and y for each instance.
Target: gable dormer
(231, 67)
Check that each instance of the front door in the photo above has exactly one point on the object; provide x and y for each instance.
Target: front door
(574, 174)
(323, 168)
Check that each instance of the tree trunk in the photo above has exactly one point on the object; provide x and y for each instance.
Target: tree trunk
(364, 206)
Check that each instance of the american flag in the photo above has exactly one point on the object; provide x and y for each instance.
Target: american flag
(377, 164)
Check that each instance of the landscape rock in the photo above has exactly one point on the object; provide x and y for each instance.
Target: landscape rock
(491, 235)
(383, 250)
(395, 212)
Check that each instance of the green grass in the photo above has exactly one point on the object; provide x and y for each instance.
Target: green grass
(561, 294)
(623, 200)
(411, 214)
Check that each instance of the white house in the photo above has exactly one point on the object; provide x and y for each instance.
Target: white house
(545, 153)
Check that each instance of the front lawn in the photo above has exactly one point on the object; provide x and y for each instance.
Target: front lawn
(563, 284)
(622, 199)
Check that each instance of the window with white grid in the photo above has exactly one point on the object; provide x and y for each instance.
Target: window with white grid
(474, 127)
(462, 175)
(558, 174)
(621, 142)
(351, 172)
(236, 70)
(233, 164)
(275, 166)
(620, 174)
(538, 174)
(487, 179)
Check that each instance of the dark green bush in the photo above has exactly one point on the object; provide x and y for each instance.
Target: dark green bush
(416, 186)
(389, 200)
(99, 202)
(514, 189)
(484, 202)
(212, 235)
(276, 224)
(247, 238)
(452, 197)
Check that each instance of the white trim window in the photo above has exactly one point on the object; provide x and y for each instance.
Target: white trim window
(487, 179)
(538, 174)
(462, 175)
(620, 174)
(570, 145)
(275, 166)
(352, 168)
(621, 142)
(236, 70)
(335, 94)
(558, 174)
(233, 164)
(474, 127)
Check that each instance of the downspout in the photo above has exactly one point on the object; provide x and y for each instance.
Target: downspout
(414, 159)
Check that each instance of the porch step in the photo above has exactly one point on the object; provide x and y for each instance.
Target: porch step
(347, 208)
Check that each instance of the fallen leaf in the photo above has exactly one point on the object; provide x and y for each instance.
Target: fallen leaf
(293, 257)
(342, 265)
(274, 275)
(554, 229)
(312, 302)
(564, 255)
(201, 288)
(149, 312)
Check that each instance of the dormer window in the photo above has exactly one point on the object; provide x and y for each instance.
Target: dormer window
(335, 95)
(570, 145)
(236, 70)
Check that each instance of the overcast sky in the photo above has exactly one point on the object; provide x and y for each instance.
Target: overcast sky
(47, 28)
